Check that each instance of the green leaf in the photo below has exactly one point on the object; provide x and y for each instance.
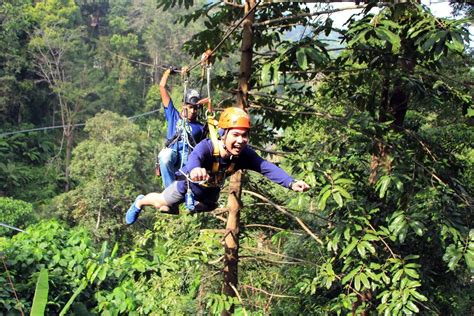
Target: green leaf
(365, 280)
(323, 199)
(418, 296)
(397, 276)
(276, 72)
(357, 282)
(390, 37)
(418, 227)
(350, 275)
(73, 297)
(469, 257)
(411, 306)
(428, 44)
(313, 55)
(343, 181)
(412, 273)
(397, 223)
(349, 247)
(361, 249)
(301, 58)
(384, 183)
(338, 198)
(41, 294)
(265, 74)
(344, 192)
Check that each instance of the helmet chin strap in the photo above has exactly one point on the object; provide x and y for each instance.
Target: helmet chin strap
(224, 146)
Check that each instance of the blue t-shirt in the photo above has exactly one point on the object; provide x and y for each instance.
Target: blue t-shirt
(202, 157)
(174, 119)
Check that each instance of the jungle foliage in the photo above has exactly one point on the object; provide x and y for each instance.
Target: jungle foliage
(380, 126)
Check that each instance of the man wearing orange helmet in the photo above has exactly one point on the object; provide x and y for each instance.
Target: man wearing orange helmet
(208, 167)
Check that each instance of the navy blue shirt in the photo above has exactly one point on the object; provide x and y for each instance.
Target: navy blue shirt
(202, 157)
(173, 118)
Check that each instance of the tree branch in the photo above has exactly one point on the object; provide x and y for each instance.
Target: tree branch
(233, 4)
(305, 15)
(273, 152)
(240, 298)
(266, 226)
(267, 293)
(277, 254)
(268, 260)
(313, 112)
(284, 211)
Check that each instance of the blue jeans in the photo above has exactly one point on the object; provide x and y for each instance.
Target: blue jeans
(168, 159)
(170, 162)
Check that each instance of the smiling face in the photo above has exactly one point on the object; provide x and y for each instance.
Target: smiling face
(236, 139)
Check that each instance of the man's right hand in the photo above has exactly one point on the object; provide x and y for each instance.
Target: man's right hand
(164, 78)
(199, 174)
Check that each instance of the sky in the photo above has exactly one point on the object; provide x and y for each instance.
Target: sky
(440, 9)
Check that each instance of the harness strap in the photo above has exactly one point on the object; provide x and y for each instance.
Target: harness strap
(212, 123)
(217, 176)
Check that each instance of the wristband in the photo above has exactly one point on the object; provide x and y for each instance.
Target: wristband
(291, 184)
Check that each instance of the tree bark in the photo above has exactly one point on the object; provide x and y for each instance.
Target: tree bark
(69, 143)
(231, 255)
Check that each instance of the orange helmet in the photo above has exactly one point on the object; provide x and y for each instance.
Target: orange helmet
(233, 117)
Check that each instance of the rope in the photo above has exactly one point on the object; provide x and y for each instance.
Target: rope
(229, 32)
(227, 35)
(62, 126)
(164, 67)
(13, 288)
(189, 179)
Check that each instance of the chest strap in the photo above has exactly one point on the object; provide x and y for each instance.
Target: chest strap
(216, 177)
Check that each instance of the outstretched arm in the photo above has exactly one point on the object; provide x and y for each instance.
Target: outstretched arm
(165, 96)
(272, 171)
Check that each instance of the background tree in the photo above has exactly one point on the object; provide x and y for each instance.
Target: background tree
(107, 169)
(378, 78)
(380, 126)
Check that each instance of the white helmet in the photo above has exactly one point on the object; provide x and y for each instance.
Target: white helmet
(192, 97)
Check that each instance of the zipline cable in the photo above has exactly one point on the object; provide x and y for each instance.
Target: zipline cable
(149, 65)
(227, 35)
(229, 32)
(75, 125)
(12, 227)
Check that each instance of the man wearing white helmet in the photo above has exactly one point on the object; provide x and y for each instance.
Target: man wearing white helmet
(183, 132)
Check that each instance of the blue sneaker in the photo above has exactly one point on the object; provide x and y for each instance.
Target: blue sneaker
(133, 212)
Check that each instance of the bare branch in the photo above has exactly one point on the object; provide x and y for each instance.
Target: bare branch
(268, 260)
(273, 152)
(267, 293)
(216, 260)
(233, 4)
(284, 211)
(313, 110)
(240, 298)
(265, 226)
(304, 15)
(277, 254)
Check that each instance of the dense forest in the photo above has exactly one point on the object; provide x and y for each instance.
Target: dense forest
(376, 116)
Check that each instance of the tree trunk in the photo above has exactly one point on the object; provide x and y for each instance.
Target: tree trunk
(69, 142)
(231, 256)
(231, 253)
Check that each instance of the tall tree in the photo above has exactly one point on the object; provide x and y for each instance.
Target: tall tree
(363, 96)
(61, 60)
